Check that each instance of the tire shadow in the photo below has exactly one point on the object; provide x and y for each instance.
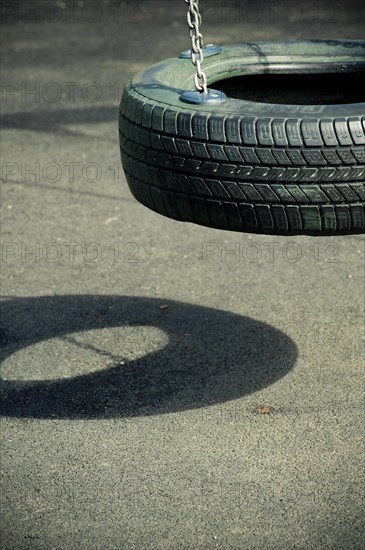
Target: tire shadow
(211, 356)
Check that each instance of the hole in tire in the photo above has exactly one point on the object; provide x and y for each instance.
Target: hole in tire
(296, 89)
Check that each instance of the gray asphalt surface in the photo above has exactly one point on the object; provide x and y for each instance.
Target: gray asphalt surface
(136, 350)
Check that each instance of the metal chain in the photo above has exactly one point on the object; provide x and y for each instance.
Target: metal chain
(194, 21)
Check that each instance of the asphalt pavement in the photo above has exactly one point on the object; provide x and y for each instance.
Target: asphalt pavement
(164, 385)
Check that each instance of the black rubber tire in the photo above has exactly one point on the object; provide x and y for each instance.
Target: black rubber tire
(242, 165)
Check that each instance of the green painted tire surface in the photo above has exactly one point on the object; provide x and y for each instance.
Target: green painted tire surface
(245, 165)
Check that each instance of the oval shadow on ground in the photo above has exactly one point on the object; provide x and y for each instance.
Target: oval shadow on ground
(209, 356)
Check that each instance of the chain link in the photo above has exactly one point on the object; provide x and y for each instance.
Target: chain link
(194, 21)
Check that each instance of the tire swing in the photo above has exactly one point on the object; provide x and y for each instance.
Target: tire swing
(218, 158)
